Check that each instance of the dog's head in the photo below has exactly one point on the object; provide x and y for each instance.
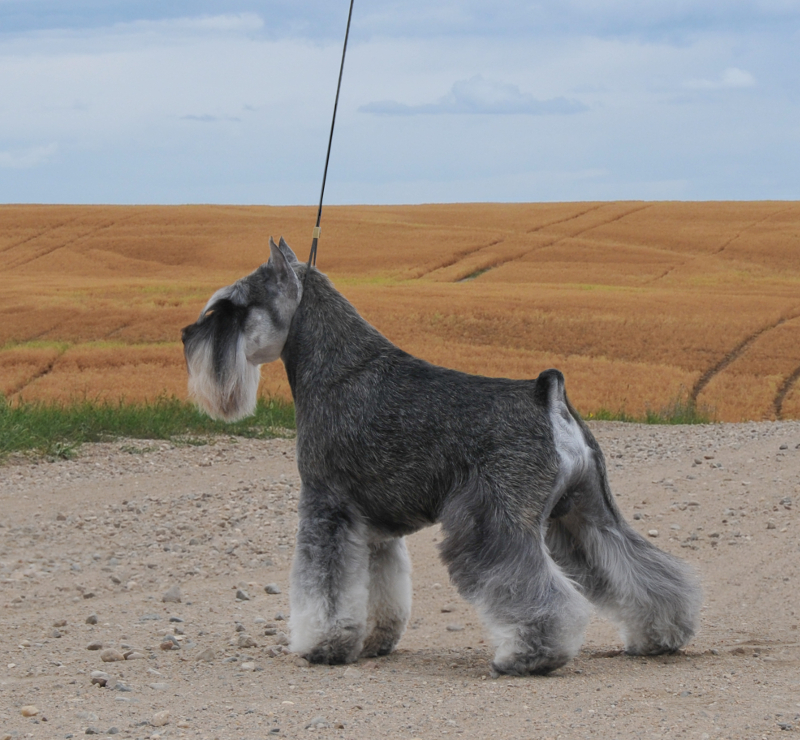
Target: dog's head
(243, 326)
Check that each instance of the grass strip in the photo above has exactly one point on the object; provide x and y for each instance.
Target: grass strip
(57, 429)
(679, 411)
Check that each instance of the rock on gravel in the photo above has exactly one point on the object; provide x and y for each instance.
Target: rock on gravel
(111, 655)
(206, 655)
(29, 710)
(160, 719)
(172, 595)
(100, 678)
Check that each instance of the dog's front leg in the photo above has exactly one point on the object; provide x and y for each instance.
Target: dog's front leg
(330, 580)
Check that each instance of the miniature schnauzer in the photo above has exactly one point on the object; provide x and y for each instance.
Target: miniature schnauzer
(388, 443)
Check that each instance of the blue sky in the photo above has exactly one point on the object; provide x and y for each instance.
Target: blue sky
(109, 101)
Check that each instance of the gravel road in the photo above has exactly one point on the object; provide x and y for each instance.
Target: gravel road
(91, 547)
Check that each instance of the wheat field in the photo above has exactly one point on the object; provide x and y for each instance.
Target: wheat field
(638, 303)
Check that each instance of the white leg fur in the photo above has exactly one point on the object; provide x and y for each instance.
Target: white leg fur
(549, 635)
(389, 596)
(329, 627)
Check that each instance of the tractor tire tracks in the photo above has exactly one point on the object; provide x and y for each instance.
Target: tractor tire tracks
(46, 370)
(783, 391)
(564, 237)
(525, 252)
(734, 355)
(12, 265)
(725, 245)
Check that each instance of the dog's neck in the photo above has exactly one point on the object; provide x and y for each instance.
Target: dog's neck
(328, 340)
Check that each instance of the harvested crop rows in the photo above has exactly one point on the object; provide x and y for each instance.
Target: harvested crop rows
(639, 304)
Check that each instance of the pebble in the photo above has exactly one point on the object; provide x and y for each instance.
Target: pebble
(273, 651)
(100, 678)
(91, 619)
(60, 623)
(110, 655)
(160, 718)
(55, 633)
(249, 666)
(282, 638)
(170, 643)
(29, 710)
(207, 655)
(172, 595)
(133, 655)
(245, 641)
(455, 627)
(272, 588)
(242, 595)
(95, 645)
(317, 722)
(652, 533)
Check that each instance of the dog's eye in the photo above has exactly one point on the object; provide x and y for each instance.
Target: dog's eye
(209, 313)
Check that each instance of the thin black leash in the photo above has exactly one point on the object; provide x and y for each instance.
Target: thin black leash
(312, 257)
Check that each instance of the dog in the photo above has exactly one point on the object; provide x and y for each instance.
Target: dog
(388, 443)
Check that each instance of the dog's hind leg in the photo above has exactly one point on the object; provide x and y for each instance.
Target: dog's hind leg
(389, 596)
(652, 596)
(329, 582)
(534, 613)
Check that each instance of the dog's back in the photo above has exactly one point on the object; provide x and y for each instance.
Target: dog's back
(388, 427)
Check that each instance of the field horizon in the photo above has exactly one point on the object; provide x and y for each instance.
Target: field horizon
(640, 304)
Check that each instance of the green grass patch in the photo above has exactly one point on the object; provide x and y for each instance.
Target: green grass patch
(57, 430)
(679, 411)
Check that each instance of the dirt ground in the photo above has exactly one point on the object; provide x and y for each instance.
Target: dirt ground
(104, 536)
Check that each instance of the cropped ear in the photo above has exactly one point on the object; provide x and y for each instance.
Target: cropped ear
(287, 252)
(282, 269)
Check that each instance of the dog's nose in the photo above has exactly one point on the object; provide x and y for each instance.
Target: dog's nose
(185, 333)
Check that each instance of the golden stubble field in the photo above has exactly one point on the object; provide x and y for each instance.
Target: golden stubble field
(639, 304)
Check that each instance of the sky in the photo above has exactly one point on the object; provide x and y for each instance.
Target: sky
(225, 101)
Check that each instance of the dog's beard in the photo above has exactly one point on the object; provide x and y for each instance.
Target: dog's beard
(229, 393)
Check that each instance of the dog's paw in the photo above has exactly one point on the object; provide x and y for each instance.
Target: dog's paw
(528, 665)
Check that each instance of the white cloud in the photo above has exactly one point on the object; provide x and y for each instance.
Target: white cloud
(212, 24)
(22, 159)
(479, 95)
(733, 77)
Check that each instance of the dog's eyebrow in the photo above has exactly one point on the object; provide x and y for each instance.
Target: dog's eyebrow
(235, 293)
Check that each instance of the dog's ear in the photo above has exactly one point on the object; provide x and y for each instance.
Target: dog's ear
(287, 252)
(281, 267)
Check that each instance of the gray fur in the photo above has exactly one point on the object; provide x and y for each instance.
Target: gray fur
(388, 443)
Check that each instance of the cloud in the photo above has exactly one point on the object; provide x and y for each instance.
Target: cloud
(208, 118)
(478, 95)
(22, 159)
(733, 77)
(212, 24)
